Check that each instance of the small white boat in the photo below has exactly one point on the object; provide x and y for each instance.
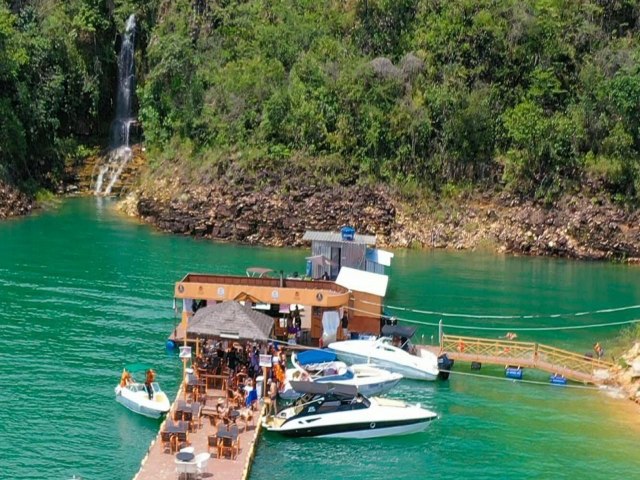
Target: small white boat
(144, 398)
(321, 366)
(339, 411)
(383, 353)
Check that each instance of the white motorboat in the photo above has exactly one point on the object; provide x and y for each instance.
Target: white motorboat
(331, 410)
(383, 353)
(144, 398)
(321, 366)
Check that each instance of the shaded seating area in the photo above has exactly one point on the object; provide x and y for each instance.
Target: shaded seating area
(174, 436)
(226, 441)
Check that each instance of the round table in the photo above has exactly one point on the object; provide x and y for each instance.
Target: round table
(185, 456)
(233, 415)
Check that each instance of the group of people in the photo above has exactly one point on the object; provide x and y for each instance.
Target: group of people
(223, 356)
(276, 377)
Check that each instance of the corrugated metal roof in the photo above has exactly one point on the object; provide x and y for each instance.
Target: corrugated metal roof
(337, 237)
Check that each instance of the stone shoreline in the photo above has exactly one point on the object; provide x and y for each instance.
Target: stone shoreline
(13, 203)
(580, 226)
(275, 209)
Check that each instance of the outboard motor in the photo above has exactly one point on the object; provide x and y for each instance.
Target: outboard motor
(445, 365)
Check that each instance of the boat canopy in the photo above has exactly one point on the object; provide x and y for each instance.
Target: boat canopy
(315, 356)
(314, 388)
(399, 331)
(258, 272)
(137, 367)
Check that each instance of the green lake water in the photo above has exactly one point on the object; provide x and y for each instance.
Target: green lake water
(84, 291)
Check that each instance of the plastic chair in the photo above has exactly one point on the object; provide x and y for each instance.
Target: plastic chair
(202, 460)
(186, 468)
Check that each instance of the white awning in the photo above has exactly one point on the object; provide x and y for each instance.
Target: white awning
(381, 257)
(362, 281)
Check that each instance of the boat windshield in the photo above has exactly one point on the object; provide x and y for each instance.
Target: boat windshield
(330, 404)
(156, 387)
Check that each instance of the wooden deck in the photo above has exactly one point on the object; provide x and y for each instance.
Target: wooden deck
(572, 366)
(159, 464)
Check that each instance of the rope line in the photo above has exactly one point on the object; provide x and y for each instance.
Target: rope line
(503, 317)
(534, 382)
(490, 377)
(514, 329)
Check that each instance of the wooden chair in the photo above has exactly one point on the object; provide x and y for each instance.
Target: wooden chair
(246, 414)
(187, 416)
(212, 442)
(227, 444)
(235, 440)
(196, 410)
(174, 443)
(222, 444)
(165, 438)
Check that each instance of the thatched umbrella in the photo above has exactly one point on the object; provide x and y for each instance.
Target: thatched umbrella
(231, 320)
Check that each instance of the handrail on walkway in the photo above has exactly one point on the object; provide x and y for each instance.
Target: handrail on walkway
(536, 355)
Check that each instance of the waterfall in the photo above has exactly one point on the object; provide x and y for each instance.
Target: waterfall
(120, 150)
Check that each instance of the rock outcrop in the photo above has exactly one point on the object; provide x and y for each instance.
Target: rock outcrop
(13, 202)
(265, 214)
(574, 226)
(275, 211)
(628, 376)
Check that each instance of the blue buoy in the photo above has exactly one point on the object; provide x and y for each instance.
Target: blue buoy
(170, 344)
(557, 379)
(513, 372)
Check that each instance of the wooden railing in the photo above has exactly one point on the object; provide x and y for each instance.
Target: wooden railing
(526, 354)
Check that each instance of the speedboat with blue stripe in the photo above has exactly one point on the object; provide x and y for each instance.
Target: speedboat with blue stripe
(339, 411)
(322, 366)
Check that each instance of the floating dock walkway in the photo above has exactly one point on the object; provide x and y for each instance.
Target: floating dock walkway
(573, 366)
(159, 462)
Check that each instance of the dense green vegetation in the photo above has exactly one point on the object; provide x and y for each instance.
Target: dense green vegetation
(531, 95)
(57, 75)
(534, 96)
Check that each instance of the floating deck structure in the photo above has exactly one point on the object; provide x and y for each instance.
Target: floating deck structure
(159, 463)
(316, 295)
(573, 366)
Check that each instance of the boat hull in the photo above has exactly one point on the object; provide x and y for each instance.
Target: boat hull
(153, 408)
(381, 417)
(405, 370)
(369, 381)
(359, 430)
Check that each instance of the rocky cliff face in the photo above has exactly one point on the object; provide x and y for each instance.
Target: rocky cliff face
(13, 202)
(580, 226)
(628, 377)
(264, 214)
(271, 211)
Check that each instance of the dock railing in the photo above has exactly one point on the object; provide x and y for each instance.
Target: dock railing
(572, 365)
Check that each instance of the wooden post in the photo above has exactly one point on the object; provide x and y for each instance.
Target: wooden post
(440, 333)
(184, 360)
(264, 383)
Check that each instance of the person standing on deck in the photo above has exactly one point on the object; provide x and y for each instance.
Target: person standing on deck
(150, 378)
(599, 350)
(345, 327)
